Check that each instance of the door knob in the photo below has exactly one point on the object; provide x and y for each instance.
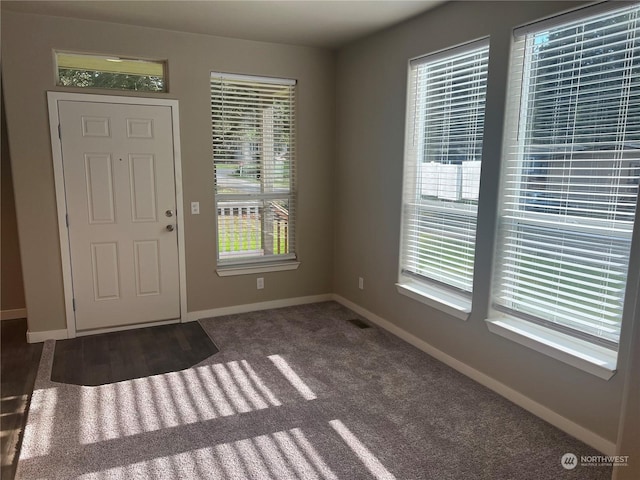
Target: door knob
(170, 228)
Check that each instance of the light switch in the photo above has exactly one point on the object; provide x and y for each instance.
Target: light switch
(195, 208)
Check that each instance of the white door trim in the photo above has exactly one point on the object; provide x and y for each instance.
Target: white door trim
(56, 147)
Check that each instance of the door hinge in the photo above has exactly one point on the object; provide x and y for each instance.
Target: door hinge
(74, 304)
(66, 216)
(59, 132)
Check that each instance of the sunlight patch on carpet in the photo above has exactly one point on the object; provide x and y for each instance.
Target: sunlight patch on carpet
(293, 377)
(364, 454)
(42, 416)
(132, 407)
(282, 454)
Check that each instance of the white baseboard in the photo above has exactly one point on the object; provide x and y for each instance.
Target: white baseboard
(587, 436)
(13, 314)
(37, 337)
(254, 307)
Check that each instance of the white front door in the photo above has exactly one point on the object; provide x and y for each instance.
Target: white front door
(118, 162)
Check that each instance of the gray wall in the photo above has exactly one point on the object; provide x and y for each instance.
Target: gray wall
(371, 95)
(12, 293)
(629, 432)
(27, 67)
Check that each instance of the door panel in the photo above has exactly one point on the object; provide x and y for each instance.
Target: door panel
(119, 182)
(142, 176)
(147, 267)
(105, 266)
(99, 175)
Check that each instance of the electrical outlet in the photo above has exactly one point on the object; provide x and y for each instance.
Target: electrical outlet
(260, 283)
(195, 208)
(361, 283)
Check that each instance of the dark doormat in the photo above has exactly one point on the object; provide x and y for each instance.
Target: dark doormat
(114, 357)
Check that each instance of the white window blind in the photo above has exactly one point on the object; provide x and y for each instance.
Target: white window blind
(570, 174)
(445, 124)
(253, 121)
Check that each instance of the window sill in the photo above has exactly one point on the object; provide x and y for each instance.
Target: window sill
(442, 299)
(232, 270)
(593, 359)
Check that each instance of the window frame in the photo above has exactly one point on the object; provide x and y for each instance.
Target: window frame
(443, 296)
(596, 357)
(258, 263)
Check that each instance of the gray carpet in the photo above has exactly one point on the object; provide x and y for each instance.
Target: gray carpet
(295, 393)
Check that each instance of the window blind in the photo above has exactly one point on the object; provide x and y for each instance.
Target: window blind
(253, 122)
(570, 174)
(445, 125)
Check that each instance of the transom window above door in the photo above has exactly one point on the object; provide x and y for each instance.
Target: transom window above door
(110, 71)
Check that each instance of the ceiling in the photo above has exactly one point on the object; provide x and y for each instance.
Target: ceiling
(319, 23)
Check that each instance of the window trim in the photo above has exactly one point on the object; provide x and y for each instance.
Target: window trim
(445, 298)
(586, 356)
(251, 268)
(440, 298)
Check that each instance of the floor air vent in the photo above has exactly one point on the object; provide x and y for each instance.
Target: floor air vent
(359, 323)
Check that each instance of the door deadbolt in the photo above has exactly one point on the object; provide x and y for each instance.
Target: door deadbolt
(169, 213)
(170, 228)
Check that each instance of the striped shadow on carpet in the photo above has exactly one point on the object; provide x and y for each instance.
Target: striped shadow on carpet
(294, 393)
